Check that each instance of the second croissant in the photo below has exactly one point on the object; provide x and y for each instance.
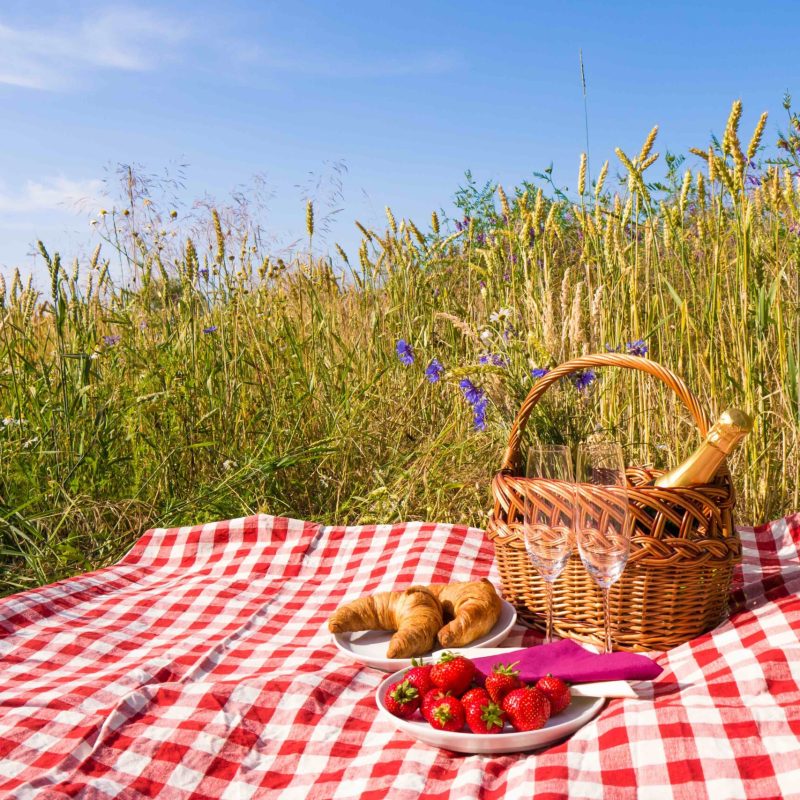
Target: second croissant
(452, 614)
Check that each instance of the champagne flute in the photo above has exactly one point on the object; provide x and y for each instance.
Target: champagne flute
(548, 517)
(603, 528)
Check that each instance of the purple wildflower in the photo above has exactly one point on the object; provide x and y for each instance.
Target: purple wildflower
(480, 238)
(112, 340)
(478, 400)
(611, 349)
(494, 359)
(210, 329)
(203, 272)
(584, 379)
(472, 393)
(479, 414)
(637, 348)
(539, 372)
(405, 353)
(434, 370)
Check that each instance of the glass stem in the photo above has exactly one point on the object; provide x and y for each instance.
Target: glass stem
(606, 621)
(548, 588)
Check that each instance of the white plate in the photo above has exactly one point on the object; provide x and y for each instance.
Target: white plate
(580, 711)
(369, 647)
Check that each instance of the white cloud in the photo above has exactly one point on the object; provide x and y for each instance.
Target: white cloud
(53, 194)
(62, 54)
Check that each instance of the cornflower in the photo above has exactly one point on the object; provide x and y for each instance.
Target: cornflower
(210, 329)
(405, 353)
(472, 393)
(493, 359)
(112, 340)
(434, 371)
(584, 379)
(478, 400)
(539, 372)
(479, 414)
(637, 348)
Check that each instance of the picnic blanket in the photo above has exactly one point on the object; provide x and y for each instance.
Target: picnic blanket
(199, 667)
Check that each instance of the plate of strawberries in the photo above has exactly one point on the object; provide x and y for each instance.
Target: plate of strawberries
(448, 704)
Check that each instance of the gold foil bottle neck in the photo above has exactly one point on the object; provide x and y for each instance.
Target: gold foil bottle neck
(732, 426)
(701, 466)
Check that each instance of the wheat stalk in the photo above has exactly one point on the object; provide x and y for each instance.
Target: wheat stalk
(601, 179)
(648, 145)
(752, 148)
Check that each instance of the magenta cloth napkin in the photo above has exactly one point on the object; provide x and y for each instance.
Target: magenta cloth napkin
(568, 660)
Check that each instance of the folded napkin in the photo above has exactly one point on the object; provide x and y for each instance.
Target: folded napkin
(568, 660)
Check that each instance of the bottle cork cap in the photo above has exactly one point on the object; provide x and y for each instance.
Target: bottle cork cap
(732, 426)
(737, 418)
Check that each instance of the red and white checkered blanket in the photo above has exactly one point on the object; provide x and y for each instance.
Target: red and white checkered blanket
(199, 666)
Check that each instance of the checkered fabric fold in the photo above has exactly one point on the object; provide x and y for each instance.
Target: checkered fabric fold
(200, 667)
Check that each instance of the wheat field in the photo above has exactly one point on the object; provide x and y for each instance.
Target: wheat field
(212, 380)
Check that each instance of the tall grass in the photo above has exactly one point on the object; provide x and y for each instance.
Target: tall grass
(214, 380)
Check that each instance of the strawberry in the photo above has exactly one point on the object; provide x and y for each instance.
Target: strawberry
(474, 697)
(504, 678)
(447, 714)
(557, 692)
(402, 699)
(485, 717)
(527, 708)
(429, 699)
(419, 676)
(453, 673)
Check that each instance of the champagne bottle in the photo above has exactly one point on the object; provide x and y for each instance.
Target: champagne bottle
(702, 465)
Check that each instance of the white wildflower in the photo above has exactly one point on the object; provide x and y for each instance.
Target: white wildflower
(229, 464)
(486, 335)
(501, 315)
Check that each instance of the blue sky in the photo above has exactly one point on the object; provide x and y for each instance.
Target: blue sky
(405, 95)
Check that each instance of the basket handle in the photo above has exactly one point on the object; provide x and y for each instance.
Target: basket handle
(599, 360)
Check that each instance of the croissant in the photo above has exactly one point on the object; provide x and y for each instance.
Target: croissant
(470, 609)
(415, 615)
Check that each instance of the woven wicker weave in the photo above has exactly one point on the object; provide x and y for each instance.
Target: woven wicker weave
(683, 548)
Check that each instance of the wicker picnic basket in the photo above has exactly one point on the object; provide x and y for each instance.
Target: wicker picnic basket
(683, 546)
